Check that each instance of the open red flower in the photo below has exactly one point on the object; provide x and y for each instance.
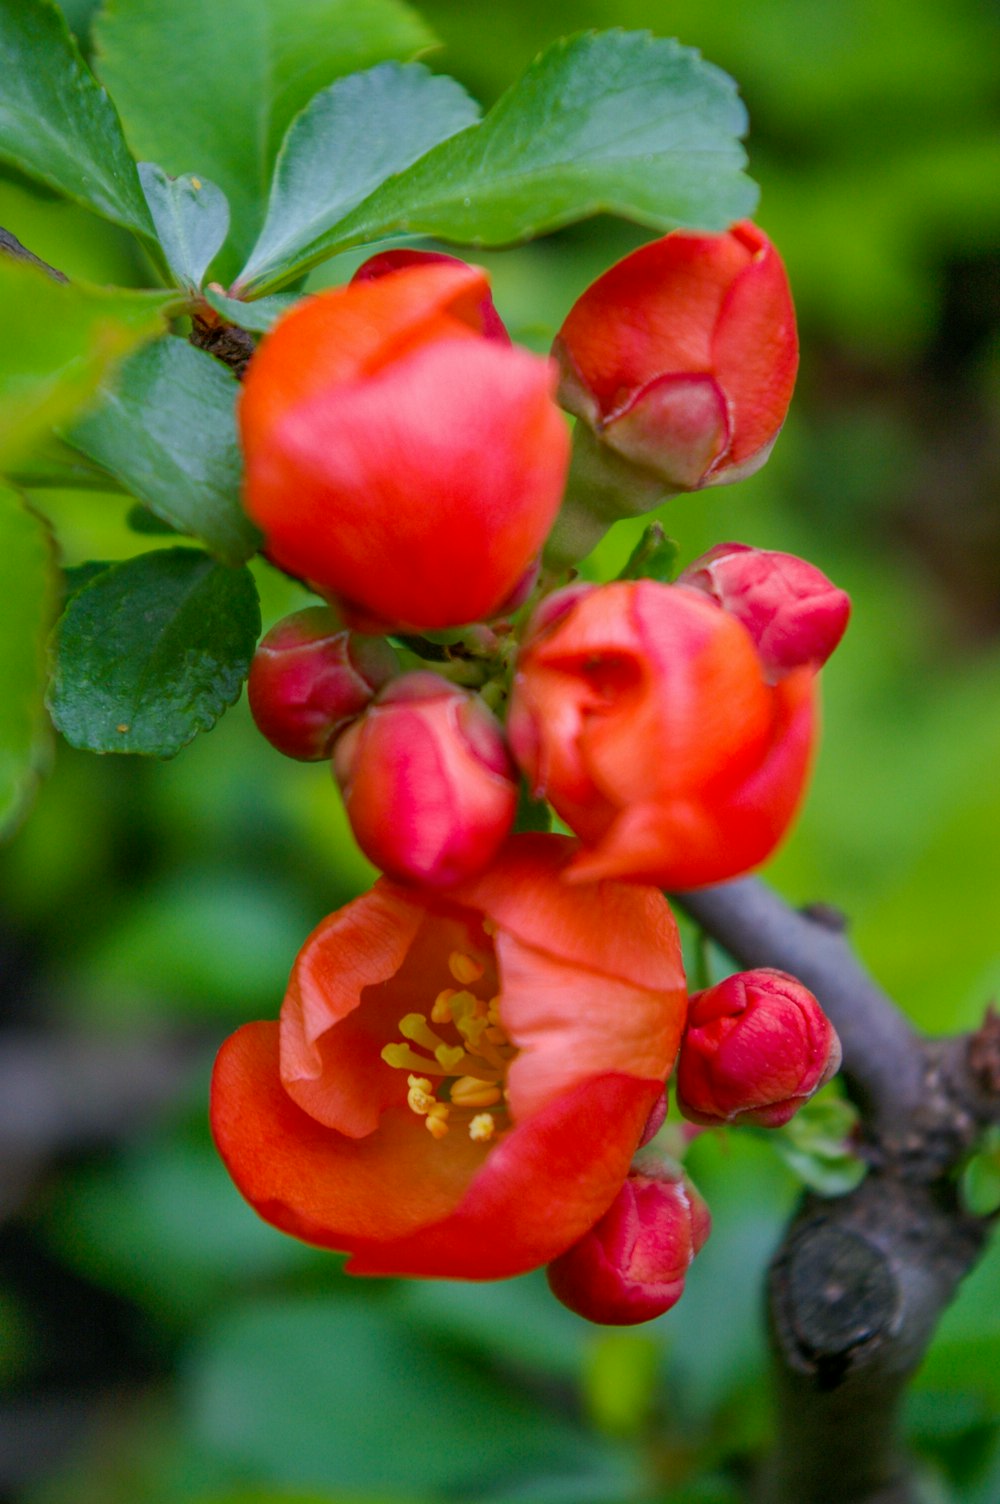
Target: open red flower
(458, 1082)
(682, 357)
(397, 457)
(641, 711)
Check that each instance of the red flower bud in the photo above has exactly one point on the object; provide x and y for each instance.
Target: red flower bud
(682, 357)
(642, 713)
(631, 1266)
(396, 457)
(393, 261)
(756, 1047)
(795, 615)
(309, 677)
(427, 780)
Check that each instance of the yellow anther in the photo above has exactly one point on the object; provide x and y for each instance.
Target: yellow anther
(441, 1011)
(482, 1127)
(493, 1009)
(436, 1121)
(495, 1034)
(419, 1099)
(463, 1005)
(401, 1057)
(464, 968)
(471, 1029)
(449, 1057)
(467, 1091)
(415, 1026)
(420, 1082)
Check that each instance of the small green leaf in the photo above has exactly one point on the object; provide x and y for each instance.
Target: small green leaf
(816, 1145)
(980, 1185)
(620, 123)
(620, 1381)
(166, 430)
(56, 124)
(29, 591)
(653, 558)
(59, 341)
(152, 651)
(347, 141)
(257, 316)
(191, 216)
(210, 86)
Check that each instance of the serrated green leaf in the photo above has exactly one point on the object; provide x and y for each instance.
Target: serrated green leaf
(346, 142)
(257, 316)
(29, 593)
(60, 340)
(166, 429)
(621, 123)
(211, 88)
(152, 651)
(56, 124)
(191, 218)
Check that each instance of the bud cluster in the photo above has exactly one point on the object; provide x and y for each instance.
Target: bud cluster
(416, 469)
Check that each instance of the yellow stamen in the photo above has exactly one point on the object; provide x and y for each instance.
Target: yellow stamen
(436, 1121)
(419, 1100)
(441, 1011)
(482, 1127)
(415, 1026)
(467, 1091)
(465, 968)
(402, 1058)
(449, 1057)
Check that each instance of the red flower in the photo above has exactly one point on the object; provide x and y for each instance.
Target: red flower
(795, 615)
(396, 457)
(428, 783)
(682, 357)
(641, 712)
(756, 1047)
(387, 262)
(458, 1082)
(310, 677)
(632, 1265)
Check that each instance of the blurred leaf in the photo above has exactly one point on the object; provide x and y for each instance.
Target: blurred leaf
(816, 1145)
(166, 429)
(191, 217)
(152, 651)
(347, 141)
(169, 69)
(622, 123)
(59, 341)
(980, 1182)
(56, 124)
(165, 1228)
(257, 316)
(29, 593)
(142, 521)
(299, 1391)
(620, 1381)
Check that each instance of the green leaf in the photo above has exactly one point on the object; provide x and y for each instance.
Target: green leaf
(621, 123)
(981, 1185)
(152, 651)
(191, 216)
(211, 88)
(166, 430)
(816, 1145)
(257, 316)
(653, 558)
(56, 124)
(29, 593)
(59, 341)
(347, 141)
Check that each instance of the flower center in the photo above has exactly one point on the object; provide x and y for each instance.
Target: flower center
(465, 1065)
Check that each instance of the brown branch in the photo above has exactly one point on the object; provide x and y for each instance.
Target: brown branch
(859, 1283)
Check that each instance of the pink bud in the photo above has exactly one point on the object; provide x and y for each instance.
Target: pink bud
(756, 1047)
(794, 614)
(631, 1266)
(427, 780)
(310, 676)
(493, 326)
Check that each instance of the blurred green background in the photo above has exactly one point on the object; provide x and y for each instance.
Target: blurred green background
(159, 1344)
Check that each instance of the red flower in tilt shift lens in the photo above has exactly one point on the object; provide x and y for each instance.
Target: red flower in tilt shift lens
(458, 1082)
(682, 357)
(398, 456)
(641, 711)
